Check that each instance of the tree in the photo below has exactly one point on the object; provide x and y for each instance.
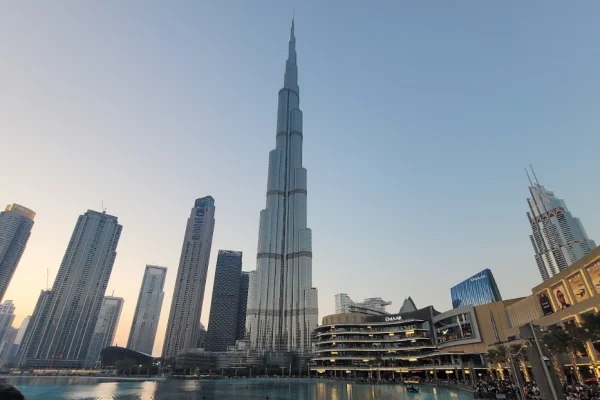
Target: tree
(518, 353)
(559, 341)
(589, 329)
(495, 359)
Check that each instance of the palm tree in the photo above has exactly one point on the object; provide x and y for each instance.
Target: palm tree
(517, 351)
(495, 359)
(560, 341)
(589, 329)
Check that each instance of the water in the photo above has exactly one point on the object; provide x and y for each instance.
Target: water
(254, 389)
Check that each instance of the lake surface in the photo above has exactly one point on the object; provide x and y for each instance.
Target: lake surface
(254, 389)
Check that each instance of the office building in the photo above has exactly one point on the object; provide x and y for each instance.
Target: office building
(201, 343)
(242, 305)
(479, 289)
(65, 317)
(370, 306)
(19, 337)
(558, 238)
(225, 320)
(6, 344)
(15, 228)
(147, 310)
(186, 307)
(283, 310)
(7, 316)
(106, 326)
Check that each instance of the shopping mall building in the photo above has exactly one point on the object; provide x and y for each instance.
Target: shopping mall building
(453, 344)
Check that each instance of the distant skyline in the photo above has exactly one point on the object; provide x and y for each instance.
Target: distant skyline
(419, 119)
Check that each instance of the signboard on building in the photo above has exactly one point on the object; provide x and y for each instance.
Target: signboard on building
(594, 271)
(561, 296)
(545, 303)
(577, 284)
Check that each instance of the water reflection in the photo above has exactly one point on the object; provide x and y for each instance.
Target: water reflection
(259, 389)
(147, 390)
(334, 392)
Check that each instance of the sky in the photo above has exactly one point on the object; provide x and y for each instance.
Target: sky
(419, 118)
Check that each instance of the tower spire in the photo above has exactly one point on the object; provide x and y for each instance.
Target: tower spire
(291, 68)
(292, 30)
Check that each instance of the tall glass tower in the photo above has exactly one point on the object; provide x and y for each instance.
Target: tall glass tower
(183, 327)
(147, 310)
(479, 289)
(64, 319)
(228, 291)
(283, 310)
(15, 228)
(558, 238)
(106, 326)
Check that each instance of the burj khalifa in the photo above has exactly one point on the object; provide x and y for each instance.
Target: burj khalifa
(282, 304)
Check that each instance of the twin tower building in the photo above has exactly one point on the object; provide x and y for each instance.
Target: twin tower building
(275, 306)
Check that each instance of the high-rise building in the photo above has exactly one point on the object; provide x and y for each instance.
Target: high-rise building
(242, 305)
(64, 319)
(283, 310)
(228, 298)
(15, 228)
(370, 306)
(104, 332)
(558, 238)
(186, 307)
(6, 344)
(478, 290)
(147, 310)
(7, 316)
(201, 343)
(39, 315)
(20, 335)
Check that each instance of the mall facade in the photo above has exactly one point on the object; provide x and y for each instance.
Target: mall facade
(454, 344)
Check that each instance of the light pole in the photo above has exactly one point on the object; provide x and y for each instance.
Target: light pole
(544, 366)
(513, 367)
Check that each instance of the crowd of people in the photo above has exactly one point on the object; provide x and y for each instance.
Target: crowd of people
(580, 392)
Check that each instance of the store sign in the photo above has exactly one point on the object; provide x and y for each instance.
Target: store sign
(391, 319)
(545, 303)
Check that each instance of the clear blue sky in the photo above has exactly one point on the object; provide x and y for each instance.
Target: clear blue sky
(418, 120)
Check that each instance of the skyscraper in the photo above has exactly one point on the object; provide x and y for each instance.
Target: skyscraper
(283, 310)
(64, 319)
(477, 290)
(224, 323)
(15, 228)
(147, 310)
(558, 238)
(105, 329)
(20, 336)
(186, 307)
(242, 305)
(6, 344)
(7, 316)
